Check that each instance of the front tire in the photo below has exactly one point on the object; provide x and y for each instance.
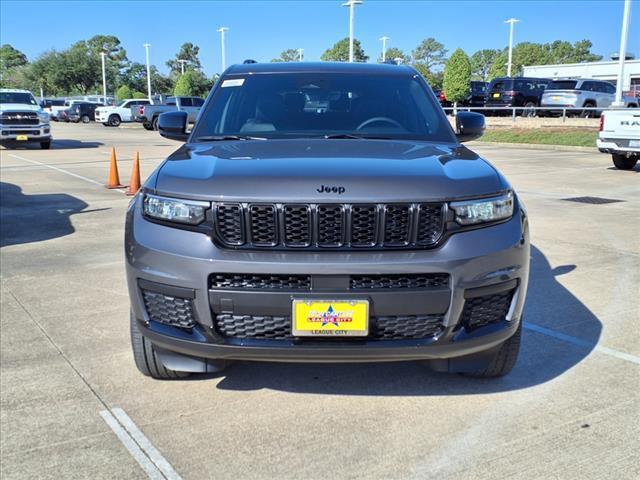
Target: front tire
(114, 121)
(504, 361)
(146, 358)
(529, 110)
(147, 126)
(85, 119)
(623, 162)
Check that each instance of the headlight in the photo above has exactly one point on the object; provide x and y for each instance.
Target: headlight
(175, 210)
(472, 212)
(44, 117)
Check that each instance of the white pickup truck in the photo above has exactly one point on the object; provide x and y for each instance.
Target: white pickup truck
(620, 136)
(113, 116)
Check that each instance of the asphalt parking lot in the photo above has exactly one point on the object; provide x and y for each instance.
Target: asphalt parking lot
(570, 408)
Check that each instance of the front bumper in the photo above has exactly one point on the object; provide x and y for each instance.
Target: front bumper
(490, 259)
(34, 133)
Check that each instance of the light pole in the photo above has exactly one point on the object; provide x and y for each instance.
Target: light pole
(182, 62)
(300, 54)
(622, 53)
(146, 47)
(351, 4)
(104, 78)
(511, 22)
(224, 61)
(384, 48)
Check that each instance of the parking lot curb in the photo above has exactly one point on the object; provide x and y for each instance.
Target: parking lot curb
(536, 146)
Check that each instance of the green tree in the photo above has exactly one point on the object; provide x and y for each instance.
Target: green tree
(137, 94)
(394, 53)
(499, 66)
(340, 52)
(434, 79)
(189, 53)
(10, 58)
(116, 59)
(457, 77)
(430, 53)
(186, 85)
(125, 92)
(289, 55)
(481, 63)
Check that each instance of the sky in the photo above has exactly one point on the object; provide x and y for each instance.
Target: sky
(260, 30)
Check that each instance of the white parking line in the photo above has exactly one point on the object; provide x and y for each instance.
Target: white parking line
(582, 343)
(136, 452)
(62, 170)
(139, 446)
(153, 453)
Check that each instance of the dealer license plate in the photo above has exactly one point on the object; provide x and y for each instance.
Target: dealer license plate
(22, 138)
(634, 143)
(330, 318)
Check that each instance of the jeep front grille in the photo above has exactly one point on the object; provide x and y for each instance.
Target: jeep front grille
(328, 226)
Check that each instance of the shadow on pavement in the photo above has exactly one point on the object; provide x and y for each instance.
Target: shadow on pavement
(59, 144)
(34, 218)
(542, 358)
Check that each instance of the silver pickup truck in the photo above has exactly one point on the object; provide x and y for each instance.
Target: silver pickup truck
(148, 114)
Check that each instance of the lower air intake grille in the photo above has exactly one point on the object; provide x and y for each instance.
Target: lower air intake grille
(481, 311)
(260, 282)
(394, 282)
(174, 311)
(279, 328)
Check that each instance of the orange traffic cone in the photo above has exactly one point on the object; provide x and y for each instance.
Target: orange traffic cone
(114, 178)
(134, 184)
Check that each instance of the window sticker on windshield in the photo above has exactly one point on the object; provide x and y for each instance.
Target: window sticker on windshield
(235, 82)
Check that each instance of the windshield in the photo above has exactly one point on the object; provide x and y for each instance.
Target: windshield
(323, 104)
(17, 97)
(562, 85)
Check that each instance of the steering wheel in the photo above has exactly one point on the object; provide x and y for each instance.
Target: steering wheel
(380, 119)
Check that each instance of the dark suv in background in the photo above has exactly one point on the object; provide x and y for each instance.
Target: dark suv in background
(79, 112)
(516, 92)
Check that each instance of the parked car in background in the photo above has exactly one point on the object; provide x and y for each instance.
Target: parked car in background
(577, 96)
(79, 112)
(52, 106)
(22, 119)
(148, 114)
(476, 94)
(113, 116)
(524, 92)
(474, 99)
(620, 136)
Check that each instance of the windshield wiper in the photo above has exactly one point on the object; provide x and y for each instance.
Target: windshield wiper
(357, 137)
(220, 138)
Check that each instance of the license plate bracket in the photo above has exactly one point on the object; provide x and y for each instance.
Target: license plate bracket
(330, 318)
(22, 138)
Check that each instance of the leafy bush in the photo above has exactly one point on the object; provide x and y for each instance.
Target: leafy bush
(124, 92)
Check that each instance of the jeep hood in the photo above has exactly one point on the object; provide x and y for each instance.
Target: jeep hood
(293, 170)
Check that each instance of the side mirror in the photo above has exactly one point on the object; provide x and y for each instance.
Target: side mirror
(173, 125)
(469, 126)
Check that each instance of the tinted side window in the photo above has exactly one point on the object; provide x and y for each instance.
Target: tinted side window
(198, 102)
(608, 88)
(588, 86)
(143, 102)
(186, 102)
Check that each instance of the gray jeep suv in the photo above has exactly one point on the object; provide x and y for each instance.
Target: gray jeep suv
(323, 212)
